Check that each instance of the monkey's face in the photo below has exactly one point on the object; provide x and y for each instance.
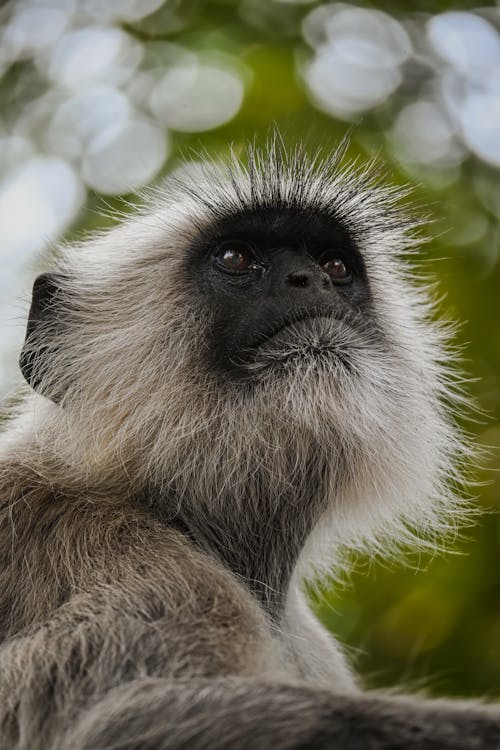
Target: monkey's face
(283, 287)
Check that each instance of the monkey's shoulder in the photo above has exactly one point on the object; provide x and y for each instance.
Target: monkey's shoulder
(90, 557)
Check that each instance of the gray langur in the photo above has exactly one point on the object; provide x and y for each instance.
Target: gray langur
(227, 390)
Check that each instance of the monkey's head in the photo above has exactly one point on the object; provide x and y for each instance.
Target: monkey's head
(253, 333)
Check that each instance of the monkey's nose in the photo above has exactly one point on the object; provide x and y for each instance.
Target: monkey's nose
(304, 279)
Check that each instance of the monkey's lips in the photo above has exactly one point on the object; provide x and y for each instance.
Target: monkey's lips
(309, 336)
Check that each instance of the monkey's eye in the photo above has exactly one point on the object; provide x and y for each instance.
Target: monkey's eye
(335, 267)
(235, 257)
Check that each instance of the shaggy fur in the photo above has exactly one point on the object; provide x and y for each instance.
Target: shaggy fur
(157, 520)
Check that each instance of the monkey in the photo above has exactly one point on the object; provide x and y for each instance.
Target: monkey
(224, 393)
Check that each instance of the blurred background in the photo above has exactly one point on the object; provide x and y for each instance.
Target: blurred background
(98, 99)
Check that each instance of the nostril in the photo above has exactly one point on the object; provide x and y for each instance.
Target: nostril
(298, 279)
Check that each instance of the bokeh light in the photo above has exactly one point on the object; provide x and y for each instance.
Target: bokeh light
(357, 60)
(470, 81)
(192, 96)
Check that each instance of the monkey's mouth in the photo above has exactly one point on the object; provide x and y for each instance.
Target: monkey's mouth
(313, 337)
(297, 324)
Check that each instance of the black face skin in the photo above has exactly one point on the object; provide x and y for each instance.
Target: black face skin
(264, 269)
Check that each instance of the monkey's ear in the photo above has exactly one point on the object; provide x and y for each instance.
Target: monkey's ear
(43, 323)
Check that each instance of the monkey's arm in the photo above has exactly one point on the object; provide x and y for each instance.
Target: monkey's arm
(77, 683)
(250, 715)
(317, 655)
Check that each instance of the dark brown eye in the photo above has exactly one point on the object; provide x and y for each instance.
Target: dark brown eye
(235, 257)
(335, 267)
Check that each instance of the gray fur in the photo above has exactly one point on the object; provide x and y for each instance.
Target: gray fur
(156, 522)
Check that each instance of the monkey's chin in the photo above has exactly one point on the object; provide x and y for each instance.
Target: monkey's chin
(315, 344)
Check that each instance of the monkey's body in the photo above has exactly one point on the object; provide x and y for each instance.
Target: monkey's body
(203, 428)
(112, 648)
(95, 613)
